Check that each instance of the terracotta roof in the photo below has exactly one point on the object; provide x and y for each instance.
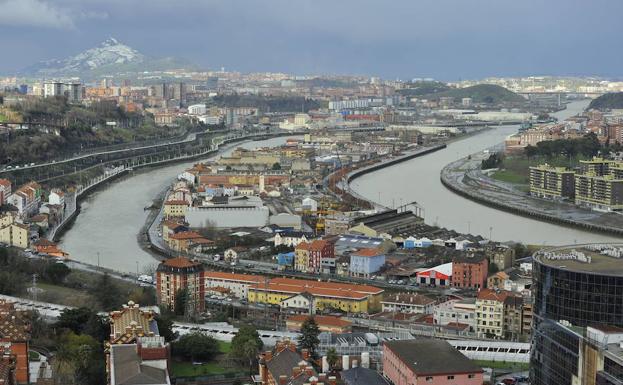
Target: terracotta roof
(321, 320)
(234, 276)
(180, 262)
(318, 288)
(368, 252)
(186, 235)
(493, 295)
(44, 242)
(175, 202)
(13, 323)
(5, 182)
(318, 244)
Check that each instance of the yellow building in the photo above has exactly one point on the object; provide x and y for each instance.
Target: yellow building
(326, 295)
(175, 209)
(599, 184)
(551, 182)
(15, 234)
(301, 257)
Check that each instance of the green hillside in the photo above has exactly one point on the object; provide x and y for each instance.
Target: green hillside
(482, 93)
(423, 88)
(607, 101)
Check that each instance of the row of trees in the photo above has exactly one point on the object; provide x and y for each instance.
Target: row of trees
(587, 146)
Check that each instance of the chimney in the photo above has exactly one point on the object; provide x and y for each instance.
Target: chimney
(283, 379)
(309, 371)
(305, 354)
(296, 371)
(322, 377)
(332, 380)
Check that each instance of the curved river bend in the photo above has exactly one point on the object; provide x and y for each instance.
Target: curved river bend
(418, 180)
(111, 217)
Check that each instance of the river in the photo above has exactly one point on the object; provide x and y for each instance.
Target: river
(107, 227)
(110, 218)
(418, 180)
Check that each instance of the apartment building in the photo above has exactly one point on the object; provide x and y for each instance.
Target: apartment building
(412, 303)
(500, 314)
(552, 182)
(470, 272)
(349, 298)
(237, 284)
(177, 274)
(456, 312)
(599, 184)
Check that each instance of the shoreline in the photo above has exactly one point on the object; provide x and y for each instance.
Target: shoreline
(68, 222)
(457, 187)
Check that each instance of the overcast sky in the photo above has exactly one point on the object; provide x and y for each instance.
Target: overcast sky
(444, 39)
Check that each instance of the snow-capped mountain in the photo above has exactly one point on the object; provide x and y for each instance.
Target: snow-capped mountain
(109, 56)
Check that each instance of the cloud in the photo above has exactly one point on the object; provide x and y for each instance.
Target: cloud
(34, 13)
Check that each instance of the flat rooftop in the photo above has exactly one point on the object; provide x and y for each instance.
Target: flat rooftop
(597, 259)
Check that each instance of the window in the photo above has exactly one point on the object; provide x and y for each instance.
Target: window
(450, 377)
(471, 376)
(429, 379)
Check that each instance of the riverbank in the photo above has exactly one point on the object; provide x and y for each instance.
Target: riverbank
(465, 178)
(73, 209)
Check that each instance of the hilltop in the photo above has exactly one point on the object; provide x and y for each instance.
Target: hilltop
(481, 94)
(108, 57)
(607, 101)
(421, 88)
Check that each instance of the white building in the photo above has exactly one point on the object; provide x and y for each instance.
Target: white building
(56, 197)
(197, 109)
(237, 284)
(310, 204)
(411, 303)
(456, 312)
(290, 239)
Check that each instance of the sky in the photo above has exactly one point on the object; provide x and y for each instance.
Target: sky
(443, 39)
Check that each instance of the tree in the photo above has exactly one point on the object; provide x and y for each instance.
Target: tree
(107, 293)
(83, 321)
(78, 360)
(181, 299)
(165, 327)
(246, 345)
(309, 335)
(56, 272)
(276, 166)
(332, 358)
(196, 346)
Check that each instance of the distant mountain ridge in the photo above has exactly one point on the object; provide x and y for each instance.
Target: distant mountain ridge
(109, 57)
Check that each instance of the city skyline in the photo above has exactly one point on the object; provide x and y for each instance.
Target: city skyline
(398, 40)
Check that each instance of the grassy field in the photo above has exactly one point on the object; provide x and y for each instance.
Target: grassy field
(225, 347)
(513, 366)
(187, 369)
(64, 295)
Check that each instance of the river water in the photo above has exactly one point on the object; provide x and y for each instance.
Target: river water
(418, 180)
(110, 219)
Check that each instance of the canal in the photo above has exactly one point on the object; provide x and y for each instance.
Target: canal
(106, 230)
(418, 180)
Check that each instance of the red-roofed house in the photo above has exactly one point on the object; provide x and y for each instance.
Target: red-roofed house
(365, 262)
(176, 274)
(5, 190)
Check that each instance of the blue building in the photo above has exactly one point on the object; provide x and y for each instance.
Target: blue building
(412, 243)
(285, 260)
(365, 262)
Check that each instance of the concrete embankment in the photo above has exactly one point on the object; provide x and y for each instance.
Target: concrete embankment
(69, 219)
(453, 180)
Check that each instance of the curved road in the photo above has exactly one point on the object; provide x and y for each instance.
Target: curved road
(418, 180)
(111, 218)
